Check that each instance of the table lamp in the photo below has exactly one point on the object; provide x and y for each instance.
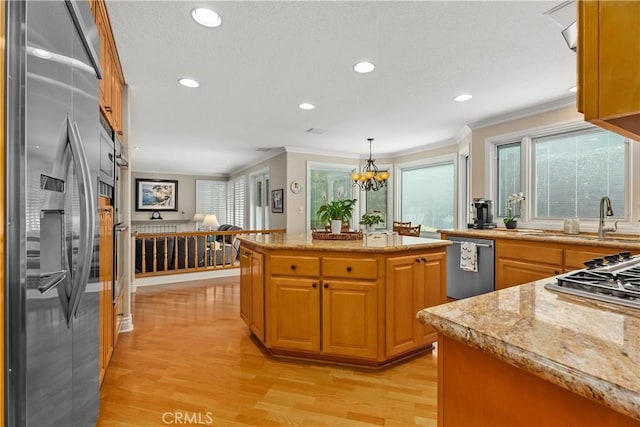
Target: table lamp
(198, 217)
(210, 221)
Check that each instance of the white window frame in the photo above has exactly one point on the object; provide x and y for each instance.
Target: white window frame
(335, 167)
(433, 161)
(526, 137)
(253, 178)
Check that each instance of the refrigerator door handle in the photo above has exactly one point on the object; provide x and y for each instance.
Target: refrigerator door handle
(87, 216)
(50, 280)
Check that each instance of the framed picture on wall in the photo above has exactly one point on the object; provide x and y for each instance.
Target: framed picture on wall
(277, 201)
(156, 195)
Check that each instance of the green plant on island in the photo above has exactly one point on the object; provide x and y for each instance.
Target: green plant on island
(341, 209)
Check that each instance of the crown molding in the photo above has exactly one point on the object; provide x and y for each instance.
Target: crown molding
(299, 150)
(268, 155)
(524, 112)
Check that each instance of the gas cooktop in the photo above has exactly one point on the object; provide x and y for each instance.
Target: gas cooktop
(614, 278)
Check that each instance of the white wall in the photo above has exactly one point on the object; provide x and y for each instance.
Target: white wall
(186, 202)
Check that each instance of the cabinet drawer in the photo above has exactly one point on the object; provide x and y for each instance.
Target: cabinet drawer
(357, 268)
(294, 265)
(530, 251)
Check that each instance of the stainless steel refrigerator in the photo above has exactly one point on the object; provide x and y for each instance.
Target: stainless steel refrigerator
(52, 169)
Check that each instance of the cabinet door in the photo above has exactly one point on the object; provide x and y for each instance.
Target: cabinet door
(350, 318)
(116, 98)
(510, 272)
(404, 277)
(434, 291)
(294, 314)
(609, 65)
(256, 318)
(245, 285)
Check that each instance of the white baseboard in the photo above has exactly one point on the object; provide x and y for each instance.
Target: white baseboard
(127, 324)
(173, 278)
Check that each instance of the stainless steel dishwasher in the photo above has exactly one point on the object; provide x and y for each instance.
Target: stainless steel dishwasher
(464, 284)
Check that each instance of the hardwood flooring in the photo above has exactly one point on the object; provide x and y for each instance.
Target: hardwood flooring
(191, 361)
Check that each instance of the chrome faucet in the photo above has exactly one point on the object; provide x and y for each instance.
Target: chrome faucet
(602, 230)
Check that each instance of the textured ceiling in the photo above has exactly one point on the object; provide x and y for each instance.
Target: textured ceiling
(267, 57)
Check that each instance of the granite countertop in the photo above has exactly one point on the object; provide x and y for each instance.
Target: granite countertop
(375, 242)
(613, 240)
(590, 348)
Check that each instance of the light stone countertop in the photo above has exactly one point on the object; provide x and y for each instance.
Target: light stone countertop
(375, 242)
(590, 348)
(613, 240)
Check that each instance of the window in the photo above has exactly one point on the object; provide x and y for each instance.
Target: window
(428, 196)
(569, 173)
(211, 198)
(573, 171)
(508, 159)
(326, 183)
(235, 201)
(377, 201)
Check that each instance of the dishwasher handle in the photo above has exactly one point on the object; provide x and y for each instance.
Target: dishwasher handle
(481, 245)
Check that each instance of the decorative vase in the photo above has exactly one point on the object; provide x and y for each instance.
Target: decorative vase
(336, 226)
(511, 225)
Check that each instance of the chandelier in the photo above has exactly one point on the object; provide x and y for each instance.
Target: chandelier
(370, 179)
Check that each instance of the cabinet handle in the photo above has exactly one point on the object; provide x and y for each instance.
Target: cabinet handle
(293, 266)
(314, 285)
(326, 286)
(417, 259)
(107, 109)
(423, 260)
(349, 269)
(556, 272)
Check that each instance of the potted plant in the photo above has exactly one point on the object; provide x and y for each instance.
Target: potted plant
(337, 212)
(510, 219)
(371, 219)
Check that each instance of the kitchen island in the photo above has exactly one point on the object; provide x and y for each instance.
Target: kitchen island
(342, 301)
(527, 356)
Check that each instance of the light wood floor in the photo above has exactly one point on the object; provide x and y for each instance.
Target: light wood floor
(191, 359)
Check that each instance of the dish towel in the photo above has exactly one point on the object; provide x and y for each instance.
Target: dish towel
(469, 257)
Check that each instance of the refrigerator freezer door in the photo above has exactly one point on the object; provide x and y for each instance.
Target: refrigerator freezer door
(61, 138)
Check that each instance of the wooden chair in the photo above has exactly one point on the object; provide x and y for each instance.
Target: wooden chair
(399, 224)
(409, 231)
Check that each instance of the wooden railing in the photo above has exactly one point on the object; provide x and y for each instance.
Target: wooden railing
(172, 253)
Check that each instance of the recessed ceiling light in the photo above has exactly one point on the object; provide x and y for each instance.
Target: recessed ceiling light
(135, 147)
(188, 82)
(41, 53)
(206, 17)
(306, 106)
(573, 89)
(363, 67)
(463, 97)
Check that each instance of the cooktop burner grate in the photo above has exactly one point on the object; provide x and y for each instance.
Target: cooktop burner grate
(616, 281)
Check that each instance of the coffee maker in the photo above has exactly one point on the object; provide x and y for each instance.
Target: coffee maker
(482, 214)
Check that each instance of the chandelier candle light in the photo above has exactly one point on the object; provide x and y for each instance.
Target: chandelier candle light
(370, 179)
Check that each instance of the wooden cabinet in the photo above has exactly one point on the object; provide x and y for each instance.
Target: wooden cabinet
(609, 65)
(522, 261)
(106, 285)
(252, 291)
(323, 313)
(294, 314)
(348, 306)
(112, 83)
(413, 283)
(519, 262)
